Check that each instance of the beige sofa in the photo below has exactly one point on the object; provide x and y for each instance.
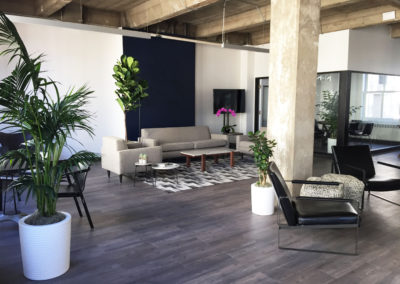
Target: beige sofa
(243, 143)
(173, 140)
(119, 157)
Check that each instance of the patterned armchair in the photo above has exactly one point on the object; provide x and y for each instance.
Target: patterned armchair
(349, 188)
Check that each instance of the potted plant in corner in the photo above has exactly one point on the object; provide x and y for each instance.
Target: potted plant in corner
(329, 114)
(131, 89)
(31, 104)
(262, 192)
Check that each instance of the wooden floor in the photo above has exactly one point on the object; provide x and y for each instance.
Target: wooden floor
(208, 235)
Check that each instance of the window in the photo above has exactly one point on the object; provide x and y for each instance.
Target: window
(381, 98)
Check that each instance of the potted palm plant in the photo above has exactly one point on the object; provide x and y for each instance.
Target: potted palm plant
(262, 192)
(131, 89)
(32, 105)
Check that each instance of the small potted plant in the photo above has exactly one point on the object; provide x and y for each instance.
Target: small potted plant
(226, 128)
(262, 192)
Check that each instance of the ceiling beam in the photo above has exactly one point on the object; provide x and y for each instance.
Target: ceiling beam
(18, 7)
(359, 19)
(260, 36)
(242, 21)
(255, 17)
(45, 8)
(395, 2)
(329, 4)
(155, 11)
(395, 30)
(101, 17)
(231, 38)
(75, 13)
(349, 20)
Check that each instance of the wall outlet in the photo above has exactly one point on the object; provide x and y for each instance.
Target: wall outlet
(389, 16)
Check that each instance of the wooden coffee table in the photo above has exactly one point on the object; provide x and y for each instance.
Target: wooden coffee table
(203, 153)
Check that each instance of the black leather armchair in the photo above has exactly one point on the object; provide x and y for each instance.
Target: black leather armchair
(310, 212)
(357, 161)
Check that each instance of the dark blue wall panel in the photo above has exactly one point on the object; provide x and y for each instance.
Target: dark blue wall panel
(169, 68)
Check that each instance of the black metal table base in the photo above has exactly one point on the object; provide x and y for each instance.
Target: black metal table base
(147, 173)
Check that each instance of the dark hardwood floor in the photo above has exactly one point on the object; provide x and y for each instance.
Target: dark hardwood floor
(208, 235)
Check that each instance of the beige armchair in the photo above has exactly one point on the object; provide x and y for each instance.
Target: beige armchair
(243, 143)
(119, 157)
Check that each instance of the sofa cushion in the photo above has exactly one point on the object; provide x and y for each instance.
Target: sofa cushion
(209, 143)
(177, 146)
(177, 134)
(245, 145)
(325, 212)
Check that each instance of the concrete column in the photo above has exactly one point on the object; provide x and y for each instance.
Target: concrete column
(295, 30)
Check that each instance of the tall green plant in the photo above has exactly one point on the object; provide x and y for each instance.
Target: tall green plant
(329, 111)
(263, 149)
(26, 106)
(131, 89)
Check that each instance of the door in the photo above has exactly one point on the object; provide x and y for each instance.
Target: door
(261, 103)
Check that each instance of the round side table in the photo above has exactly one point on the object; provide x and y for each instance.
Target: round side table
(165, 167)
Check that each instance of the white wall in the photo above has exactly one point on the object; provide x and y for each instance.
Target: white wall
(255, 65)
(74, 58)
(333, 51)
(373, 50)
(369, 49)
(216, 68)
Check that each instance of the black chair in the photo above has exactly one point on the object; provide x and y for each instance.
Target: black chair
(367, 130)
(75, 189)
(354, 128)
(357, 161)
(320, 135)
(313, 213)
(12, 141)
(8, 175)
(361, 129)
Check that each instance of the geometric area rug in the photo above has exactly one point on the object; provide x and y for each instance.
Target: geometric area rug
(193, 178)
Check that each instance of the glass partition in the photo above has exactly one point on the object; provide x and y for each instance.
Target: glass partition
(375, 110)
(326, 112)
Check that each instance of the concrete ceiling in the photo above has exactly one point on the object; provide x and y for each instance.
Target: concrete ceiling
(245, 22)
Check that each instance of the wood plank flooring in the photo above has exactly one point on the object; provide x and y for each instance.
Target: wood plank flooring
(208, 235)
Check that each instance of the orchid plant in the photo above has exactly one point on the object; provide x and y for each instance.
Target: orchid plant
(226, 128)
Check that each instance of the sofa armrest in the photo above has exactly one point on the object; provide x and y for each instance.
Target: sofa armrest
(149, 142)
(240, 138)
(128, 158)
(134, 144)
(219, 136)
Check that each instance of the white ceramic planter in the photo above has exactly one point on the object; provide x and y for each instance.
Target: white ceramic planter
(262, 200)
(331, 142)
(45, 249)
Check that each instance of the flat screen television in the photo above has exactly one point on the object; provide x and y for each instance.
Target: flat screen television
(230, 99)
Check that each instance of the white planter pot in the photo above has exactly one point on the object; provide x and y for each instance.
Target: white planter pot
(45, 249)
(331, 142)
(262, 200)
